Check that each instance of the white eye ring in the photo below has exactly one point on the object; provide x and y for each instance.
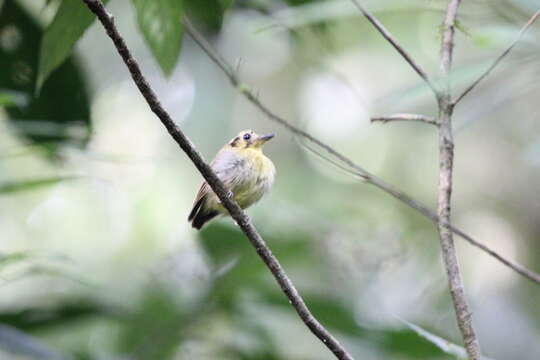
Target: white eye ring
(247, 136)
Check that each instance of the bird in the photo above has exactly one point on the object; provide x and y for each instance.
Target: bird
(244, 170)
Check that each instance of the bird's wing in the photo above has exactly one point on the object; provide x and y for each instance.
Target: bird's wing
(203, 190)
(199, 200)
(226, 165)
(223, 164)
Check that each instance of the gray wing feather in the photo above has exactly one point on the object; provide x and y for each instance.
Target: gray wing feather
(227, 165)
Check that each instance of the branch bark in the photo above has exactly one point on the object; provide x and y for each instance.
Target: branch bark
(499, 59)
(217, 186)
(356, 169)
(406, 117)
(446, 162)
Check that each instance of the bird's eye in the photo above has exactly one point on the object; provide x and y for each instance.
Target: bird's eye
(247, 136)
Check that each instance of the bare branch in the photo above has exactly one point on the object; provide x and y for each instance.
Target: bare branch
(500, 58)
(447, 46)
(406, 117)
(217, 186)
(446, 164)
(386, 34)
(356, 169)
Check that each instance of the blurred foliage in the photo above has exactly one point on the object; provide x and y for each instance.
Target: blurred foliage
(234, 309)
(156, 328)
(17, 343)
(25, 185)
(7, 99)
(47, 117)
(8, 259)
(228, 247)
(36, 319)
(163, 319)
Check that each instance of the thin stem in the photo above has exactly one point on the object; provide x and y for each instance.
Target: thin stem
(446, 163)
(356, 169)
(406, 117)
(386, 34)
(500, 58)
(217, 186)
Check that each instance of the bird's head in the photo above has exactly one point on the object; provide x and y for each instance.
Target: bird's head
(248, 139)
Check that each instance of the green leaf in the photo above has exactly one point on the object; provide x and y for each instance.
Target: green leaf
(207, 14)
(63, 100)
(68, 25)
(160, 21)
(24, 185)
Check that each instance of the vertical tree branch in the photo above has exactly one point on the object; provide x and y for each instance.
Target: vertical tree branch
(446, 159)
(217, 186)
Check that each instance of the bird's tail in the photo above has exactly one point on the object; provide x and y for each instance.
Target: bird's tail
(202, 218)
(200, 215)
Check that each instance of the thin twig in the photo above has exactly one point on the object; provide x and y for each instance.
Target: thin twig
(217, 186)
(356, 169)
(406, 117)
(386, 34)
(500, 58)
(446, 163)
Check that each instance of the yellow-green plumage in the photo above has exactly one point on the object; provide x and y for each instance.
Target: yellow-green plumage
(244, 170)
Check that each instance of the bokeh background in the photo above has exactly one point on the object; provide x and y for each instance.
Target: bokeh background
(97, 260)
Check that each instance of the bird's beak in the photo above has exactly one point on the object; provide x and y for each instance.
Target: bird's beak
(265, 138)
(262, 139)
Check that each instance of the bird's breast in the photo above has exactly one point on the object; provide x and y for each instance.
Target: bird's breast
(254, 177)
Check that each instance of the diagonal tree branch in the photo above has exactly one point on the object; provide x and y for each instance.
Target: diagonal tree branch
(355, 169)
(386, 34)
(446, 164)
(217, 186)
(499, 59)
(406, 117)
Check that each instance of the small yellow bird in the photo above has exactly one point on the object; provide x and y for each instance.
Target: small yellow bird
(244, 170)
